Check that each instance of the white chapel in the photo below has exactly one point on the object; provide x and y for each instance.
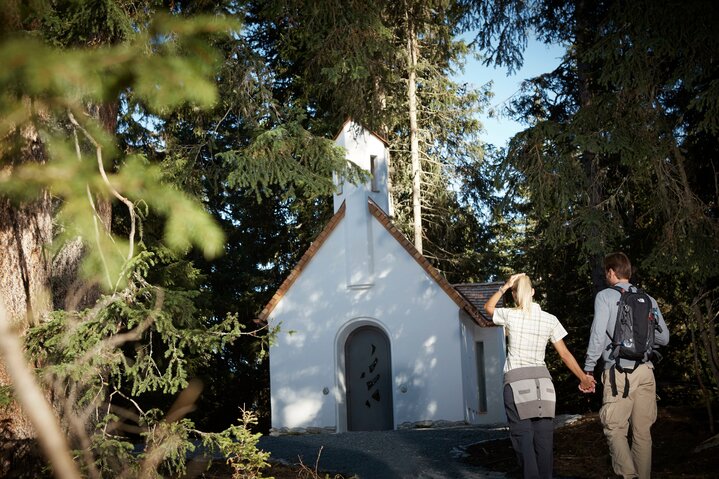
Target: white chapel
(372, 337)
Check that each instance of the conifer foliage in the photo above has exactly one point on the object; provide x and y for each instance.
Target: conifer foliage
(619, 154)
(103, 365)
(163, 166)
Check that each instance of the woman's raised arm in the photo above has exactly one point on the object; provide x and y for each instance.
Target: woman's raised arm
(492, 302)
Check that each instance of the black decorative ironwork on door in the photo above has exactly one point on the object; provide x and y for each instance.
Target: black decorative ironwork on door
(368, 374)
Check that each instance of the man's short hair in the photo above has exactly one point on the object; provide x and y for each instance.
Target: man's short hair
(619, 262)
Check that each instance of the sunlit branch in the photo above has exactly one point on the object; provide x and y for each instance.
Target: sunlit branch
(29, 395)
(115, 193)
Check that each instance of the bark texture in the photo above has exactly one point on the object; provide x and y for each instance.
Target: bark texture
(25, 233)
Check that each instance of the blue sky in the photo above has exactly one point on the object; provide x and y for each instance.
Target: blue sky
(538, 58)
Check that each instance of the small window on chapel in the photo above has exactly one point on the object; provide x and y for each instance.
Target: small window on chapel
(373, 172)
(481, 377)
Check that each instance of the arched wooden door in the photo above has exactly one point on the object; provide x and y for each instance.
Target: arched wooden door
(368, 372)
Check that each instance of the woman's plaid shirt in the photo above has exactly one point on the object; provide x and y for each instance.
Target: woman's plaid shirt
(528, 336)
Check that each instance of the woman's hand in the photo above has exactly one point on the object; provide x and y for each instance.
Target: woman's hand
(588, 384)
(492, 301)
(510, 282)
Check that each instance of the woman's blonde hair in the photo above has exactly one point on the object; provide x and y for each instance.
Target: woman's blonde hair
(523, 293)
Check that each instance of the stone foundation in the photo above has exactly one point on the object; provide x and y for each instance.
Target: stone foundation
(430, 424)
(296, 431)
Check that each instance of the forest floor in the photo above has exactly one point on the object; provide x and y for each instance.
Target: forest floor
(580, 451)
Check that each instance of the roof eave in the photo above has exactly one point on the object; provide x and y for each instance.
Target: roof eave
(301, 264)
(460, 300)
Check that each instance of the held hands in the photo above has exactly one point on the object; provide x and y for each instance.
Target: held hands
(588, 384)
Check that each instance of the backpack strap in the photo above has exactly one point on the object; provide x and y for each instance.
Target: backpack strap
(614, 348)
(611, 346)
(613, 379)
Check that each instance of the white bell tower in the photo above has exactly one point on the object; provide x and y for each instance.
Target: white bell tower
(369, 152)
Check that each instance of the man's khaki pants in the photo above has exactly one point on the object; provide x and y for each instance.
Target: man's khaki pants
(638, 409)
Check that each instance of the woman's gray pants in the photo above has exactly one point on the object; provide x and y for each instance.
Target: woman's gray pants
(532, 440)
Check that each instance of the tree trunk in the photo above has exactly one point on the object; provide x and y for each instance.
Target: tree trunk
(703, 325)
(590, 160)
(25, 231)
(412, 54)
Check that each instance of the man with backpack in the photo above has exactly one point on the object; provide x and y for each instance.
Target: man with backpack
(626, 329)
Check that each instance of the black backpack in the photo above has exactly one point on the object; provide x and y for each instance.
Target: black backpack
(634, 330)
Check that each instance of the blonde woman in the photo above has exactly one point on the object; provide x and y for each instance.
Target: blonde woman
(529, 397)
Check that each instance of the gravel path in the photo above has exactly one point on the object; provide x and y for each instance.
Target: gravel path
(406, 454)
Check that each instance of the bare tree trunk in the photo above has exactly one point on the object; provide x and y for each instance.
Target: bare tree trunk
(703, 325)
(412, 54)
(25, 232)
(698, 374)
(707, 333)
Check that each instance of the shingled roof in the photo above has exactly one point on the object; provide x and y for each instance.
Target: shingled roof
(478, 294)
